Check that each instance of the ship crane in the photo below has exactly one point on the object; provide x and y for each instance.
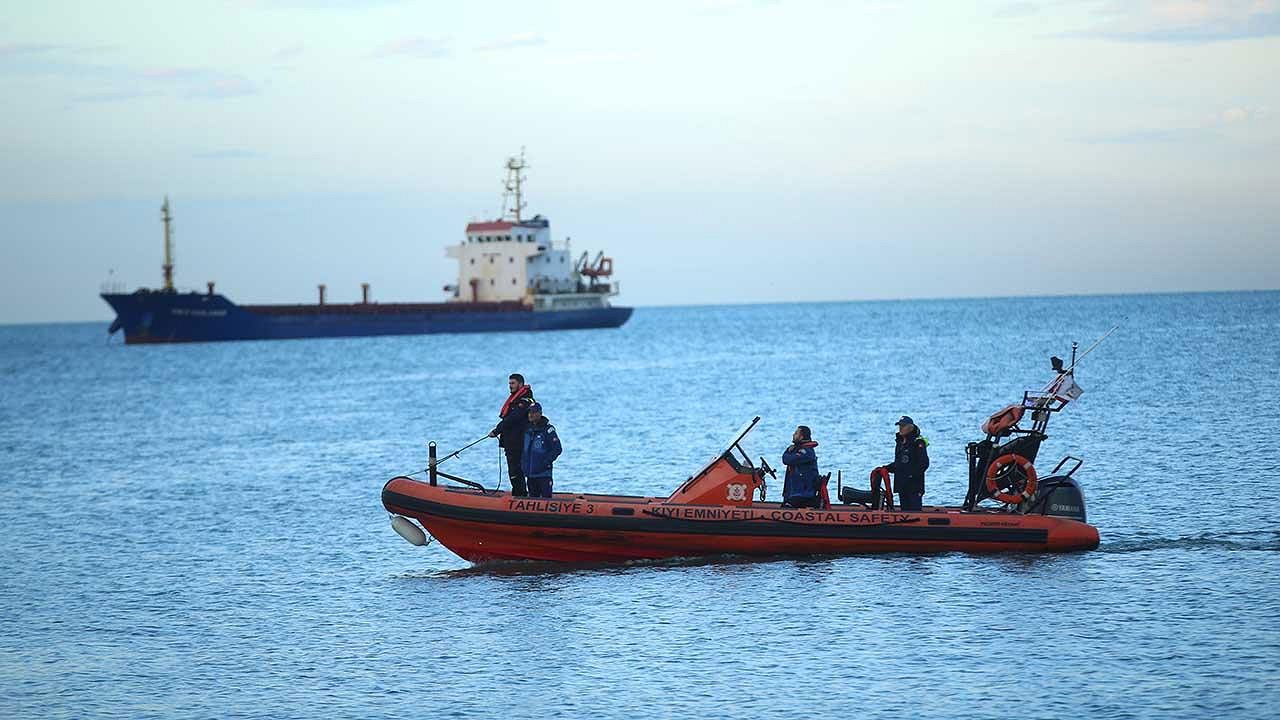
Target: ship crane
(593, 270)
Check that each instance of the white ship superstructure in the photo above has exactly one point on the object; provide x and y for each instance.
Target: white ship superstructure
(515, 259)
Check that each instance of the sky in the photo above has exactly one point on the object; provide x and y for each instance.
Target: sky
(721, 152)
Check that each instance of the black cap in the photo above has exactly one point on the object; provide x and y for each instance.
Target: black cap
(905, 420)
(535, 406)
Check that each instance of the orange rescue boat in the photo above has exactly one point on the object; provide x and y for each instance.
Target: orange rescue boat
(715, 511)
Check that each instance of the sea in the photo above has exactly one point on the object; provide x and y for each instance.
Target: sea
(195, 531)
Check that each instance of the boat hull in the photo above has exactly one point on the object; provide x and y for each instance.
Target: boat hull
(482, 527)
(159, 317)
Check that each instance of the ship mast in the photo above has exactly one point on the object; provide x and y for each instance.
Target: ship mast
(168, 246)
(513, 185)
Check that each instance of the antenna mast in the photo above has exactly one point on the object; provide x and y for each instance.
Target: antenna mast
(512, 186)
(168, 246)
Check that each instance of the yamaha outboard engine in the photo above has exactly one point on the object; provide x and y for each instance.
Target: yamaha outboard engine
(1060, 496)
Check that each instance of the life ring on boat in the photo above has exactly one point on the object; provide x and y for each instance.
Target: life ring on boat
(998, 423)
(1013, 496)
(883, 474)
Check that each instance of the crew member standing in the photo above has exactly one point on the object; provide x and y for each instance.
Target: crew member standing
(910, 460)
(541, 448)
(510, 430)
(800, 486)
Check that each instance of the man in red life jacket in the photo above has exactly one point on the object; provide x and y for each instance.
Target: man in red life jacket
(800, 486)
(910, 460)
(514, 420)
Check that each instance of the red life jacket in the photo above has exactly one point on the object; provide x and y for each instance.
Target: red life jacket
(519, 393)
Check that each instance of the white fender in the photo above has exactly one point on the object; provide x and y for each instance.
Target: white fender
(406, 529)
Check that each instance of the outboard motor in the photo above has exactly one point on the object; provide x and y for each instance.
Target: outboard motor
(1058, 495)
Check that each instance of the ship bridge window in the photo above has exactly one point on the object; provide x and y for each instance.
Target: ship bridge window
(473, 261)
(511, 260)
(490, 281)
(513, 281)
(490, 259)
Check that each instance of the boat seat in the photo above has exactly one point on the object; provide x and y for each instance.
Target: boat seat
(873, 499)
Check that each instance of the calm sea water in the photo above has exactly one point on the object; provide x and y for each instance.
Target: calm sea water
(195, 531)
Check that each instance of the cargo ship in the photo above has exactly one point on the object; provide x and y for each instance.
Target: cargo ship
(512, 276)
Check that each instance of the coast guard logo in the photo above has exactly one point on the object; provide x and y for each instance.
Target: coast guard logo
(737, 491)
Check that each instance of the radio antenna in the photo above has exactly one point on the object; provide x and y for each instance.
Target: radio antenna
(512, 185)
(1094, 346)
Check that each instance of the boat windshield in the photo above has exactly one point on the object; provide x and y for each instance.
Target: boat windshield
(737, 439)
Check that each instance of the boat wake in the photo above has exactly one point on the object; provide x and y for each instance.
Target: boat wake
(1249, 540)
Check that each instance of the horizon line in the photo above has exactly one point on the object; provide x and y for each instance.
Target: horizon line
(845, 301)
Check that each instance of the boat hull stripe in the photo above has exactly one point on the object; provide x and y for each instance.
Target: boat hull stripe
(407, 504)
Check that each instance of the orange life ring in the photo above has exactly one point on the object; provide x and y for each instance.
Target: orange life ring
(999, 464)
(888, 486)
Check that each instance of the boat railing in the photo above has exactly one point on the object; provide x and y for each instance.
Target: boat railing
(434, 472)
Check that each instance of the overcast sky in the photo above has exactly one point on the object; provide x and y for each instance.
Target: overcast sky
(721, 152)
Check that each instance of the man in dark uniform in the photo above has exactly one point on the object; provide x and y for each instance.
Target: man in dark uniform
(910, 460)
(514, 419)
(541, 448)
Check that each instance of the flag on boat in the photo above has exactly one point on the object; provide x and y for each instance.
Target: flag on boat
(1065, 388)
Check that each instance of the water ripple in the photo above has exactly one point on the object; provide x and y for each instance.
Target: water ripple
(195, 530)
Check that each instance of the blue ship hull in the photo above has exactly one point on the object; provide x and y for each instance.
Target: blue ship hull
(166, 317)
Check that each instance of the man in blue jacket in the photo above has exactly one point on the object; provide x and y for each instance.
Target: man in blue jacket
(910, 460)
(800, 486)
(541, 448)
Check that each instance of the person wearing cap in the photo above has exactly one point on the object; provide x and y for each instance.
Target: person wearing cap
(910, 460)
(513, 420)
(800, 486)
(541, 448)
